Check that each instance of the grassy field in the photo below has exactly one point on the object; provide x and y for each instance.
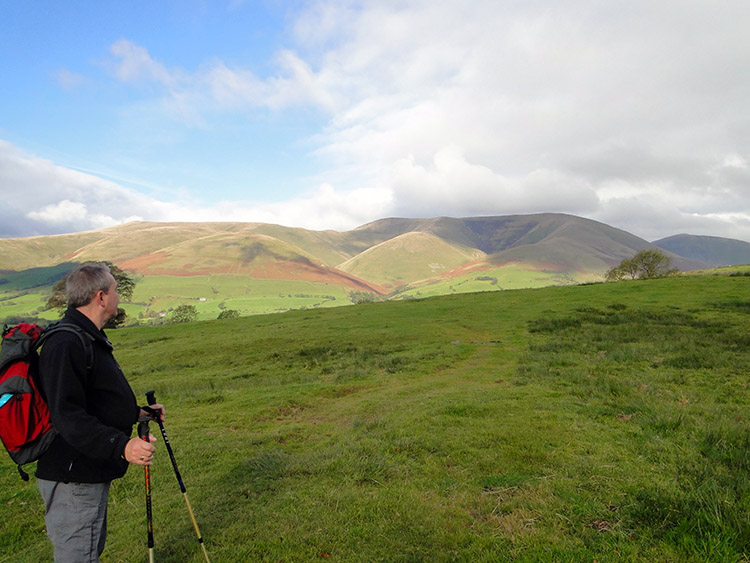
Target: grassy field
(601, 422)
(508, 276)
(214, 293)
(156, 296)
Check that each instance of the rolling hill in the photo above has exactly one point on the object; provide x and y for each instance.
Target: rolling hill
(552, 242)
(715, 251)
(397, 257)
(413, 249)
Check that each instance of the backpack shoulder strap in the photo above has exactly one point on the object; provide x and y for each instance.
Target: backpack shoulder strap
(85, 338)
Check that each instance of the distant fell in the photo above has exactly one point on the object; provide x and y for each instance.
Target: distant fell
(380, 257)
(553, 242)
(715, 251)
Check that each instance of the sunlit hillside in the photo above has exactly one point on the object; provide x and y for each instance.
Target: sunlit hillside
(277, 268)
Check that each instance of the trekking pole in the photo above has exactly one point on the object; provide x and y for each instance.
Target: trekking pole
(143, 434)
(151, 399)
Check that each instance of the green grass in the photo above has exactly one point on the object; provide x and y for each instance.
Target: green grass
(156, 296)
(211, 294)
(393, 261)
(508, 276)
(20, 302)
(602, 422)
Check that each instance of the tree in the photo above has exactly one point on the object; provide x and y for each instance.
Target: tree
(125, 287)
(184, 314)
(626, 268)
(358, 297)
(651, 263)
(229, 314)
(615, 273)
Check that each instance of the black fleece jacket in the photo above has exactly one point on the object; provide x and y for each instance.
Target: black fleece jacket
(93, 413)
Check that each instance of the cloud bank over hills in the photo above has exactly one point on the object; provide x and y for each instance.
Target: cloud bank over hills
(633, 114)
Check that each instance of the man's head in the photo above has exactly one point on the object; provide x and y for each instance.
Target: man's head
(92, 289)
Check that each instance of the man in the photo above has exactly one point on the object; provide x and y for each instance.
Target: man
(93, 412)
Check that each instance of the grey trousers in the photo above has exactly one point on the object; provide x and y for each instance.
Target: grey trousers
(76, 519)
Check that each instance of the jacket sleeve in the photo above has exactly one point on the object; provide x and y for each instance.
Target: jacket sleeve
(62, 374)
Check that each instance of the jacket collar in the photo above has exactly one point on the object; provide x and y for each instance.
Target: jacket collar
(74, 316)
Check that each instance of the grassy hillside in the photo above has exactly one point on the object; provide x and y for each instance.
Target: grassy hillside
(408, 258)
(480, 276)
(383, 254)
(32, 252)
(603, 422)
(571, 247)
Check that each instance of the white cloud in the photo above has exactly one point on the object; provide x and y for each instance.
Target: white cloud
(452, 183)
(69, 80)
(189, 97)
(656, 217)
(633, 113)
(456, 108)
(231, 88)
(64, 211)
(40, 197)
(578, 106)
(43, 198)
(325, 208)
(135, 63)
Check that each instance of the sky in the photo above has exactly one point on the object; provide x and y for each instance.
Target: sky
(332, 114)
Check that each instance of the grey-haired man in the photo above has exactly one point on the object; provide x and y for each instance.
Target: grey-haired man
(93, 412)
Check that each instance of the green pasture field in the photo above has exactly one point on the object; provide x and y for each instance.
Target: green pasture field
(212, 294)
(602, 422)
(25, 293)
(34, 277)
(740, 270)
(23, 303)
(156, 296)
(504, 277)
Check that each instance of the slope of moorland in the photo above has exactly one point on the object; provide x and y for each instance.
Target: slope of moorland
(553, 241)
(408, 257)
(569, 243)
(414, 255)
(254, 255)
(601, 422)
(715, 251)
(33, 252)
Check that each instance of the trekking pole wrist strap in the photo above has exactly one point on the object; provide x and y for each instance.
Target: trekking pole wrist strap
(154, 414)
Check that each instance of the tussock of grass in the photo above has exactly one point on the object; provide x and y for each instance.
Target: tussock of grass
(603, 422)
(681, 415)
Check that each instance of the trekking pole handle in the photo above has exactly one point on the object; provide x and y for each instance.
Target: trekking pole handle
(143, 430)
(156, 414)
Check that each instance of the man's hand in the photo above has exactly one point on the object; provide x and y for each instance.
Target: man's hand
(139, 451)
(156, 407)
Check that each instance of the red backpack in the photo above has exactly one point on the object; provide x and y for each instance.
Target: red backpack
(25, 427)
